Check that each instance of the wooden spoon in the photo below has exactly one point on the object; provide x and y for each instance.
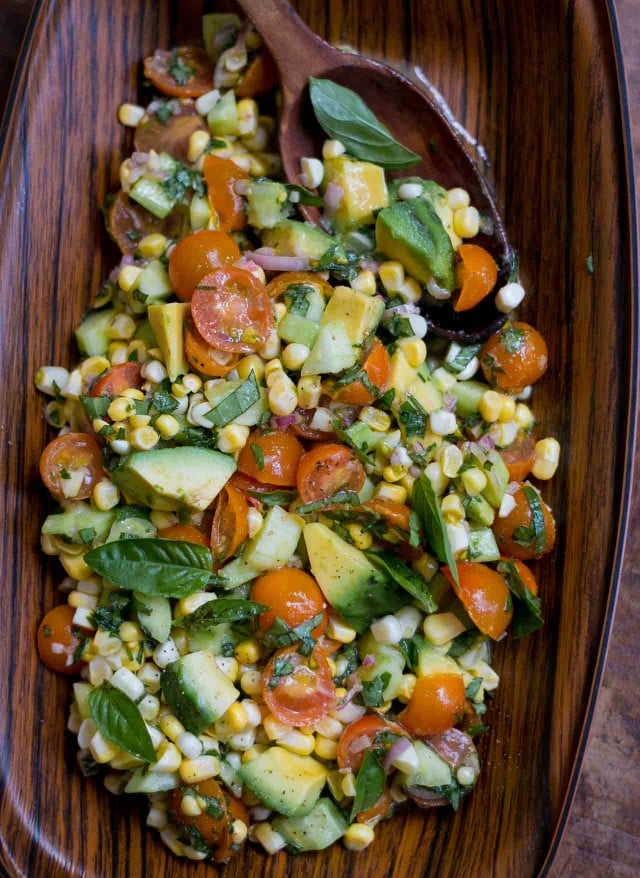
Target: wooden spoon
(412, 116)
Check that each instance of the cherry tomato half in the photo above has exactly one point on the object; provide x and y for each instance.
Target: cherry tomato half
(327, 469)
(519, 457)
(128, 222)
(377, 367)
(515, 533)
(362, 735)
(214, 823)
(396, 515)
(173, 135)
(186, 532)
(514, 358)
(437, 704)
(525, 574)
(476, 273)
(293, 596)
(231, 310)
(196, 256)
(230, 527)
(281, 283)
(67, 454)
(380, 811)
(58, 639)
(185, 72)
(297, 690)
(221, 176)
(117, 379)
(271, 458)
(259, 77)
(205, 359)
(484, 595)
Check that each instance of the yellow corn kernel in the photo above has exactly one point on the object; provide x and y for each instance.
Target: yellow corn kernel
(349, 784)
(171, 726)
(190, 807)
(274, 729)
(236, 717)
(258, 142)
(255, 521)
(247, 652)
(375, 418)
(121, 408)
(75, 566)
(273, 372)
(252, 753)
(279, 310)
(508, 409)
(491, 405)
(410, 291)
(241, 161)
(103, 751)
(340, 631)
(294, 356)
(144, 438)
(131, 632)
(130, 114)
(358, 836)
(128, 278)
(167, 426)
(105, 495)
(232, 437)
(393, 473)
(199, 769)
(364, 282)
(452, 509)
(407, 483)
(457, 198)
(426, 566)
(179, 390)
(523, 416)
(547, 457)
(331, 149)
(247, 117)
(392, 276)
(466, 222)
(414, 350)
(439, 628)
(406, 687)
(451, 460)
(152, 246)
(309, 390)
(251, 682)
(258, 167)
(385, 491)
(362, 539)
(297, 742)
(474, 481)
(283, 398)
(198, 142)
(249, 364)
(137, 351)
(93, 366)
(117, 353)
(78, 599)
(132, 393)
(334, 782)
(136, 421)
(325, 748)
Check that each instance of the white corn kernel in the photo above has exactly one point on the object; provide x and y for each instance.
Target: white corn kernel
(51, 379)
(243, 741)
(466, 222)
(436, 291)
(331, 149)
(157, 818)
(409, 190)
(206, 102)
(255, 521)
(165, 653)
(283, 398)
(410, 291)
(452, 509)
(408, 618)
(507, 505)
(149, 707)
(270, 840)
(99, 670)
(309, 391)
(457, 198)
(437, 478)
(105, 495)
(154, 371)
(294, 356)
(312, 172)
(469, 370)
(130, 114)
(85, 733)
(189, 744)
(73, 387)
(439, 628)
(275, 730)
(504, 434)
(329, 727)
(83, 618)
(232, 437)
(451, 460)
(465, 775)
(474, 481)
(128, 683)
(169, 836)
(169, 758)
(387, 630)
(197, 770)
(523, 416)
(271, 347)
(547, 456)
(442, 423)
(509, 297)
(458, 537)
(358, 836)
(103, 751)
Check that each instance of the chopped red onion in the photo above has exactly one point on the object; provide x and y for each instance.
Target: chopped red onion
(397, 749)
(513, 487)
(402, 310)
(368, 661)
(332, 197)
(454, 746)
(242, 187)
(360, 744)
(296, 562)
(282, 422)
(415, 472)
(370, 265)
(426, 798)
(450, 402)
(487, 442)
(271, 262)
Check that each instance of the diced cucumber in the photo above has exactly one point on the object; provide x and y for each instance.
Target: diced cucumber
(388, 660)
(154, 281)
(296, 329)
(252, 415)
(497, 475)
(293, 238)
(80, 517)
(131, 528)
(276, 541)
(199, 212)
(479, 511)
(91, 335)
(216, 639)
(236, 573)
(143, 781)
(197, 691)
(482, 545)
(144, 333)
(267, 204)
(432, 770)
(362, 437)
(229, 776)
(223, 118)
(284, 781)
(318, 830)
(314, 302)
(332, 352)
(81, 699)
(154, 615)
(468, 395)
(366, 491)
(151, 195)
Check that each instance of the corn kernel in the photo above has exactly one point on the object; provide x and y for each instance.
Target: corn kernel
(331, 149)
(136, 421)
(309, 390)
(298, 743)
(91, 368)
(190, 807)
(452, 508)
(275, 730)
(362, 539)
(279, 311)
(294, 356)
(199, 769)
(340, 631)
(271, 347)
(445, 381)
(167, 426)
(385, 491)
(392, 276)
(393, 473)
(523, 416)
(414, 350)
(466, 222)
(247, 117)
(105, 495)
(508, 409)
(78, 599)
(121, 408)
(406, 688)
(171, 726)
(325, 748)
(236, 717)
(247, 652)
(232, 437)
(249, 364)
(117, 353)
(198, 142)
(349, 784)
(451, 460)
(252, 753)
(130, 114)
(474, 481)
(458, 198)
(283, 399)
(375, 418)
(251, 682)
(491, 405)
(128, 278)
(144, 438)
(103, 751)
(75, 566)
(364, 282)
(547, 456)
(410, 291)
(439, 628)
(270, 840)
(255, 521)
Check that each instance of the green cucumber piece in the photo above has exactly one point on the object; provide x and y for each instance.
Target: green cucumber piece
(151, 195)
(154, 615)
(91, 335)
(482, 545)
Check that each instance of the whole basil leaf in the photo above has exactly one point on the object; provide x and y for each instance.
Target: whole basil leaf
(404, 576)
(345, 117)
(119, 721)
(527, 616)
(173, 568)
(425, 502)
(369, 784)
(223, 610)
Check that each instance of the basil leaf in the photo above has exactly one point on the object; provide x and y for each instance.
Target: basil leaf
(95, 406)
(306, 196)
(345, 117)
(405, 577)
(173, 568)
(280, 635)
(463, 642)
(527, 616)
(472, 689)
(373, 690)
(462, 359)
(537, 518)
(236, 403)
(258, 455)
(273, 498)
(297, 298)
(425, 503)
(223, 610)
(125, 512)
(370, 782)
(119, 721)
(410, 649)
(413, 417)
(338, 499)
(282, 667)
(163, 401)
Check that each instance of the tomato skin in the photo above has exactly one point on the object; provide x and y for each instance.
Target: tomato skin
(117, 379)
(157, 66)
(221, 176)
(327, 469)
(294, 597)
(281, 283)
(231, 310)
(377, 366)
(397, 515)
(477, 274)
(172, 137)
(519, 457)
(504, 529)
(525, 574)
(230, 526)
(215, 831)
(260, 76)
(484, 595)
(202, 357)
(57, 641)
(360, 736)
(71, 451)
(513, 370)
(282, 453)
(303, 697)
(437, 704)
(196, 256)
(126, 217)
(186, 532)
(381, 810)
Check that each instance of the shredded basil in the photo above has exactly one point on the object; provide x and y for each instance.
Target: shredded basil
(462, 359)
(413, 417)
(282, 667)
(370, 782)
(405, 577)
(426, 505)
(273, 498)
(306, 196)
(527, 614)
(236, 403)
(258, 455)
(340, 498)
(178, 70)
(537, 518)
(222, 610)
(297, 298)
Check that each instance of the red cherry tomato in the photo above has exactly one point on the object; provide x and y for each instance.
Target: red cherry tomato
(484, 595)
(205, 359)
(117, 379)
(173, 135)
(297, 690)
(186, 532)
(377, 366)
(185, 72)
(363, 735)
(230, 527)
(128, 222)
(327, 469)
(515, 533)
(514, 357)
(519, 457)
(214, 823)
(58, 640)
(67, 454)
(271, 458)
(196, 256)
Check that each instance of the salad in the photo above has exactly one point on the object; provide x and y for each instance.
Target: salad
(293, 522)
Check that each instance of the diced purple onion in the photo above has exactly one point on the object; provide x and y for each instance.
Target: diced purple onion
(487, 442)
(368, 661)
(271, 262)
(402, 310)
(332, 197)
(399, 747)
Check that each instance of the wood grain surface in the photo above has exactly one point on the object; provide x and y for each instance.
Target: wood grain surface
(560, 204)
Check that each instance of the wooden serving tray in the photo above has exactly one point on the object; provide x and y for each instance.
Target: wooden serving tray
(537, 84)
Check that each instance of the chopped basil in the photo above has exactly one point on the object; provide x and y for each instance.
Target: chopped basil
(258, 455)
(236, 403)
(372, 690)
(134, 235)
(461, 643)
(370, 782)
(512, 338)
(340, 260)
(181, 180)
(462, 359)
(163, 401)
(162, 114)
(527, 615)
(351, 659)
(215, 612)
(280, 635)
(399, 326)
(297, 298)
(473, 688)
(425, 503)
(413, 417)
(405, 577)
(273, 498)
(340, 498)
(282, 667)
(87, 535)
(410, 649)
(454, 792)
(111, 616)
(124, 512)
(537, 518)
(306, 196)
(178, 70)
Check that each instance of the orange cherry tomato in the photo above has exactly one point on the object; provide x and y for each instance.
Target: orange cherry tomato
(58, 639)
(437, 704)
(117, 379)
(297, 690)
(128, 222)
(515, 533)
(186, 532)
(525, 574)
(214, 823)
(362, 735)
(519, 457)
(67, 454)
(379, 811)
(171, 136)
(271, 458)
(246, 484)
(259, 77)
(281, 283)
(203, 358)
(377, 367)
(477, 274)
(196, 256)
(221, 176)
(514, 358)
(230, 527)
(293, 596)
(231, 310)
(396, 515)
(327, 469)
(484, 595)
(227, 847)
(185, 72)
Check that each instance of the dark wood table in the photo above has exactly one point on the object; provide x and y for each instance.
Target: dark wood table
(603, 836)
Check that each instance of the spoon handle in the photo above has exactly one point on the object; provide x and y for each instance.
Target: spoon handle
(298, 52)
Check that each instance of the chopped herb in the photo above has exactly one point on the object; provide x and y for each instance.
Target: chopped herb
(406, 578)
(282, 667)
(297, 298)
(523, 535)
(306, 196)
(47, 630)
(427, 506)
(589, 263)
(340, 260)
(491, 364)
(512, 265)
(462, 643)
(478, 729)
(386, 400)
(111, 616)
(527, 616)
(181, 180)
(370, 782)
(196, 838)
(163, 401)
(372, 694)
(133, 235)
(399, 326)
(163, 114)
(280, 635)
(87, 535)
(198, 436)
(88, 765)
(462, 359)
(352, 659)
(537, 518)
(340, 498)
(273, 498)
(413, 417)
(235, 404)
(214, 143)
(215, 612)
(473, 688)
(512, 338)
(124, 512)
(410, 648)
(139, 296)
(178, 70)
(227, 649)
(64, 473)
(258, 455)
(454, 792)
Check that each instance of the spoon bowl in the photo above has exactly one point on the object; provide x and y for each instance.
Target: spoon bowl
(414, 119)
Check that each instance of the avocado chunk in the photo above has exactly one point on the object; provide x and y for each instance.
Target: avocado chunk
(292, 238)
(321, 827)
(351, 584)
(174, 478)
(432, 771)
(412, 232)
(388, 660)
(267, 204)
(284, 781)
(91, 335)
(436, 195)
(167, 323)
(332, 352)
(359, 314)
(363, 187)
(197, 691)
